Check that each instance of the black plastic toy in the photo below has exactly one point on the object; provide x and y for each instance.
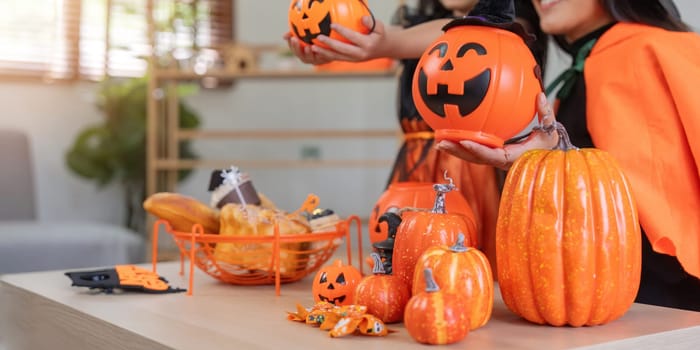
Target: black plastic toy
(125, 277)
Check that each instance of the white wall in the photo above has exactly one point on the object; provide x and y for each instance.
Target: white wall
(53, 114)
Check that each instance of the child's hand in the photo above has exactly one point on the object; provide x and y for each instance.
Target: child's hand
(303, 51)
(361, 47)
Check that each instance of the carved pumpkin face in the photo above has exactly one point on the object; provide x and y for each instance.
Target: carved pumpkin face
(336, 283)
(478, 83)
(310, 18)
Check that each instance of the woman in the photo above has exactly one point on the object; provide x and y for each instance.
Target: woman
(633, 99)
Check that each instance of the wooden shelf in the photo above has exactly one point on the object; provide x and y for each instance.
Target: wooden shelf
(174, 74)
(164, 136)
(283, 134)
(181, 164)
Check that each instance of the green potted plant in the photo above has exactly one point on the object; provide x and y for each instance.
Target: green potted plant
(115, 150)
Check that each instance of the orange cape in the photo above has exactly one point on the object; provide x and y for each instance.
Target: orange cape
(643, 107)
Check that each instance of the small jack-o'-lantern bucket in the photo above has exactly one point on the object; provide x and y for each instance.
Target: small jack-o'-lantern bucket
(478, 81)
(336, 283)
(310, 18)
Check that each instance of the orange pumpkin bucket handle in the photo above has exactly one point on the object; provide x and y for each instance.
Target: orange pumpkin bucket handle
(371, 14)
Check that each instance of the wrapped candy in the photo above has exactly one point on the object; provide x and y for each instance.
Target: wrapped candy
(340, 321)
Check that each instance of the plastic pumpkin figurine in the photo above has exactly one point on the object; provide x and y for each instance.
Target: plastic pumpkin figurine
(384, 295)
(310, 18)
(336, 283)
(435, 316)
(410, 195)
(478, 81)
(568, 241)
(462, 270)
(420, 230)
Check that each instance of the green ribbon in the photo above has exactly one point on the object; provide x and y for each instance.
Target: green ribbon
(567, 79)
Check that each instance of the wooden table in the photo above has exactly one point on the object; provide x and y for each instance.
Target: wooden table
(42, 311)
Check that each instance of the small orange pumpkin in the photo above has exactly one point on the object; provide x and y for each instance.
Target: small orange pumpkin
(568, 241)
(461, 270)
(384, 295)
(310, 18)
(435, 316)
(477, 81)
(336, 283)
(411, 195)
(420, 230)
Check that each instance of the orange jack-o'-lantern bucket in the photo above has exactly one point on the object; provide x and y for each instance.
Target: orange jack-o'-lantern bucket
(335, 283)
(411, 195)
(310, 18)
(478, 81)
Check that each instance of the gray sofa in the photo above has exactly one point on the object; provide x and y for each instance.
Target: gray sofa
(28, 244)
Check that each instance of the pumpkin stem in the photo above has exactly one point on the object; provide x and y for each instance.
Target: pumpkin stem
(430, 284)
(459, 246)
(564, 143)
(441, 189)
(378, 268)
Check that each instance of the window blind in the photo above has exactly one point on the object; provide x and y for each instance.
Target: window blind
(88, 39)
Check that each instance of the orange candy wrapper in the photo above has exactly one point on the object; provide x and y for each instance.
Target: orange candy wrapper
(340, 321)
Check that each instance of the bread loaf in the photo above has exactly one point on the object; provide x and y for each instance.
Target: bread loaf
(182, 212)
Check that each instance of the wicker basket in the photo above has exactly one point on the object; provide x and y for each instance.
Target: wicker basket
(274, 259)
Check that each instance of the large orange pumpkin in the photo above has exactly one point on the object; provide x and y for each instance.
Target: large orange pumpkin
(436, 316)
(310, 18)
(477, 82)
(568, 242)
(420, 230)
(462, 270)
(336, 283)
(384, 295)
(401, 195)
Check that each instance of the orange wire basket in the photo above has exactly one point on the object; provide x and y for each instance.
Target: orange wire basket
(259, 260)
